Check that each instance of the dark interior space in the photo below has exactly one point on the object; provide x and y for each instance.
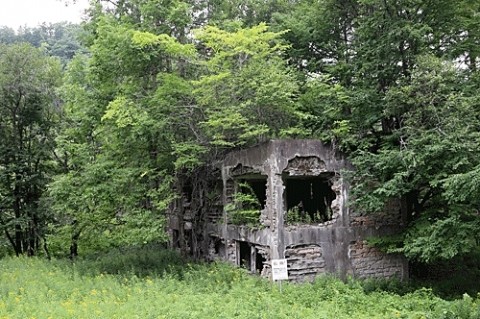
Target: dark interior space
(245, 254)
(187, 190)
(189, 240)
(259, 261)
(259, 188)
(218, 246)
(310, 198)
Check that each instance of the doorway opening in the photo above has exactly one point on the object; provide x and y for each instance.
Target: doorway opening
(244, 255)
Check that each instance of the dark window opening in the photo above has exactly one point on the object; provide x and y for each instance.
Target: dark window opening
(244, 254)
(259, 261)
(188, 240)
(256, 186)
(187, 191)
(218, 246)
(309, 199)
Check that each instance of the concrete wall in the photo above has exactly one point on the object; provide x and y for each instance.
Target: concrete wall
(336, 246)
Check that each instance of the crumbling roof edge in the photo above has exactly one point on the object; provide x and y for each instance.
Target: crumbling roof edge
(256, 156)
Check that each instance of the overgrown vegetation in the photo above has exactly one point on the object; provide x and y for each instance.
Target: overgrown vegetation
(296, 216)
(245, 208)
(154, 90)
(146, 283)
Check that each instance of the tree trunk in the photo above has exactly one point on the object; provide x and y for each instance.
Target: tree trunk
(74, 243)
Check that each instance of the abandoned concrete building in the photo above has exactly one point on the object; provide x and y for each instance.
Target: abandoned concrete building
(284, 199)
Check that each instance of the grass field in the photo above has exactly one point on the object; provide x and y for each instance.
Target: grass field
(148, 284)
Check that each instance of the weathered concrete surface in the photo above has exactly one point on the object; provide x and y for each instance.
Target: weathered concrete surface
(336, 246)
(305, 262)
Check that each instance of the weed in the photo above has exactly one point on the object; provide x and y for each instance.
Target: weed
(150, 282)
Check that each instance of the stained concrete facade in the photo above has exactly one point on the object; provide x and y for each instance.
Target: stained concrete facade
(305, 215)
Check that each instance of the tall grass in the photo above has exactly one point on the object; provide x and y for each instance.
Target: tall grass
(137, 283)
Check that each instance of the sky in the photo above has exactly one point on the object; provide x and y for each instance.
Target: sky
(16, 13)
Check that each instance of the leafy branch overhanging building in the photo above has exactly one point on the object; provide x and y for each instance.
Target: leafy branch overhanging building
(304, 215)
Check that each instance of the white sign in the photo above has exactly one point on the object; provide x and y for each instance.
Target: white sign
(279, 269)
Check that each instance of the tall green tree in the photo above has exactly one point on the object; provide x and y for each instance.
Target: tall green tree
(29, 109)
(388, 82)
(153, 101)
(247, 92)
(427, 162)
(116, 144)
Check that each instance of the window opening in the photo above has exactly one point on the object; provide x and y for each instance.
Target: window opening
(218, 246)
(258, 187)
(247, 201)
(189, 240)
(309, 199)
(187, 191)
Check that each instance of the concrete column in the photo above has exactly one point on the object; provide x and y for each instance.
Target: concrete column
(238, 260)
(278, 250)
(253, 259)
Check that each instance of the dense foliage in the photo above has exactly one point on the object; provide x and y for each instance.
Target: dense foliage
(395, 84)
(161, 89)
(29, 113)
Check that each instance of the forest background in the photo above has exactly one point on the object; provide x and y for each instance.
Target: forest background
(97, 120)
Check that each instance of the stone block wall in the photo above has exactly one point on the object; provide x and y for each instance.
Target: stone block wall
(390, 216)
(231, 251)
(305, 262)
(370, 262)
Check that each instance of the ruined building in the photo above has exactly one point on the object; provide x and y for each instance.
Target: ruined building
(284, 199)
